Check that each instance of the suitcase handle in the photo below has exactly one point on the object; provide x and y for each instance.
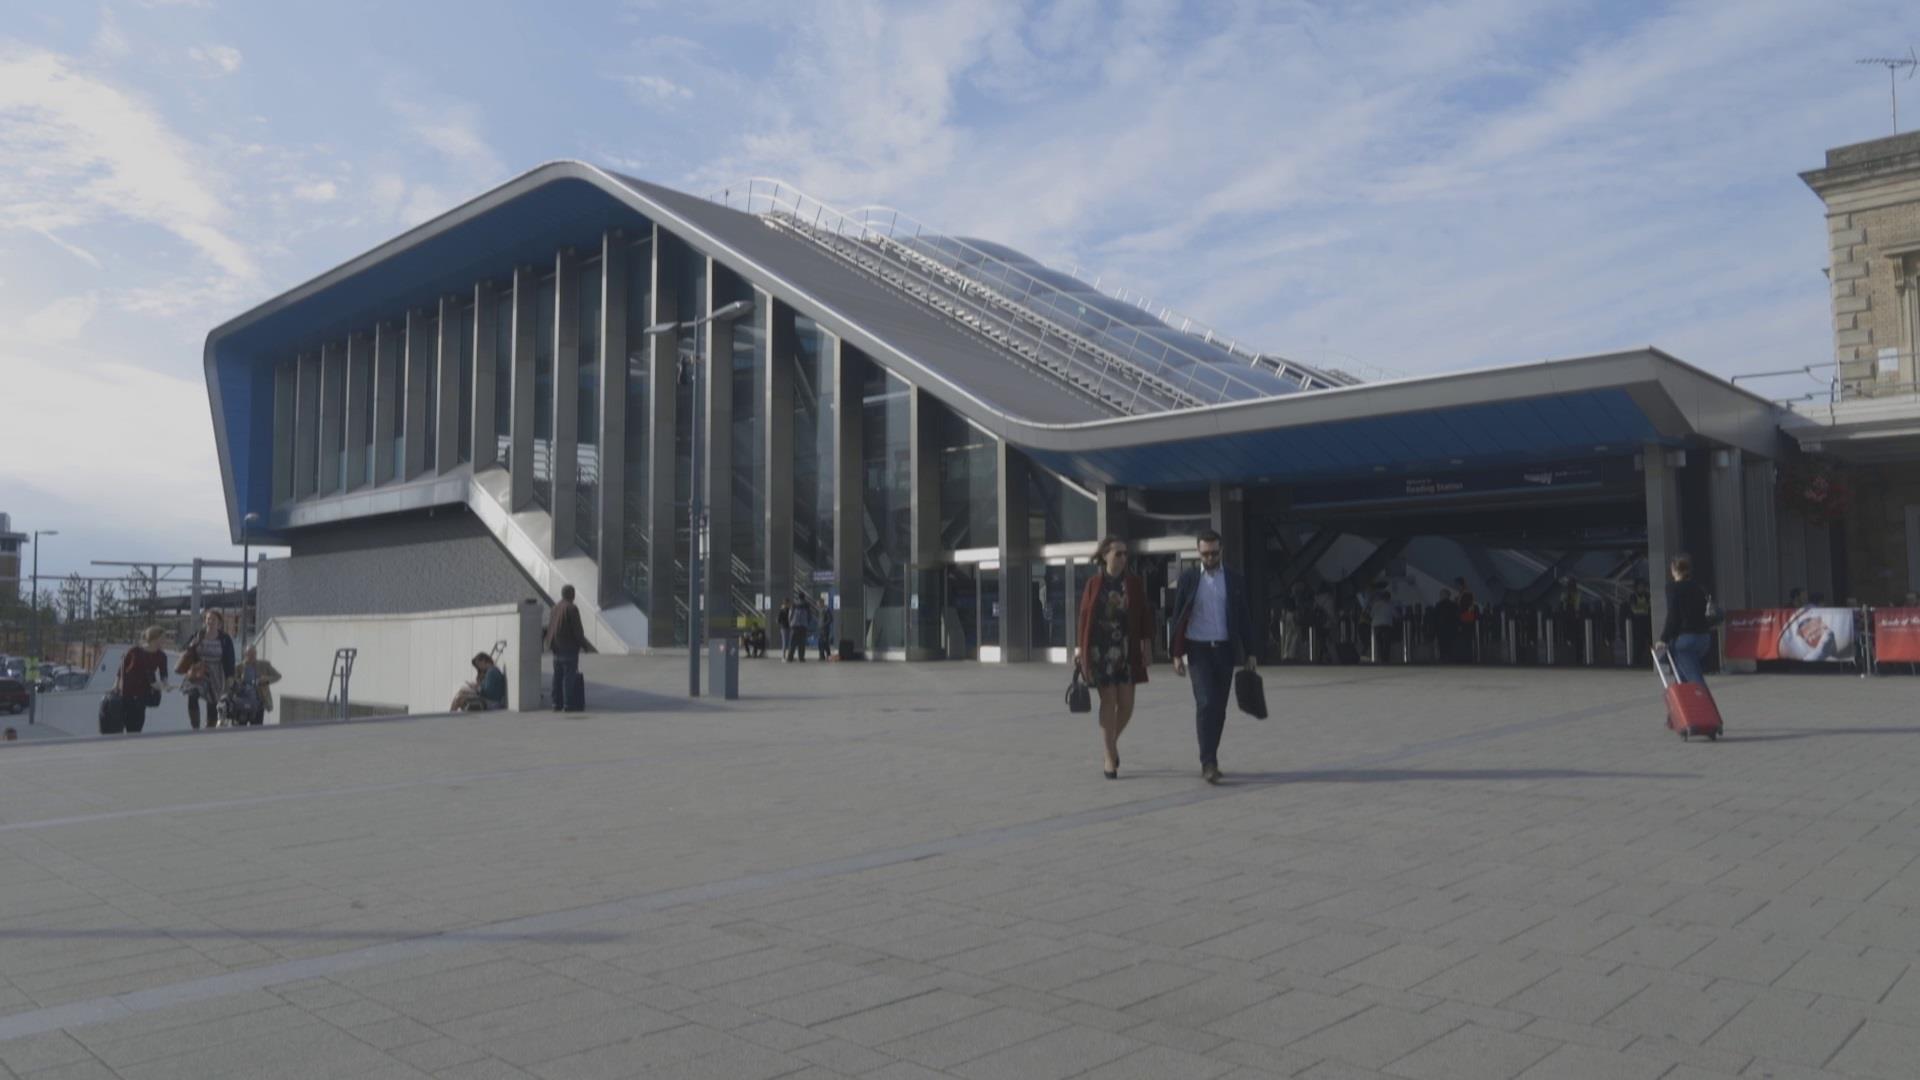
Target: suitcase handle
(1660, 654)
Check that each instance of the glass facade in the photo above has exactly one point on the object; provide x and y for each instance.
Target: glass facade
(887, 442)
(544, 312)
(1061, 513)
(503, 378)
(463, 450)
(809, 350)
(685, 273)
(429, 370)
(747, 564)
(333, 452)
(392, 391)
(586, 488)
(969, 483)
(638, 514)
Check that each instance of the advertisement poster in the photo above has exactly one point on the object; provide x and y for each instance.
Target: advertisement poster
(1896, 635)
(1808, 634)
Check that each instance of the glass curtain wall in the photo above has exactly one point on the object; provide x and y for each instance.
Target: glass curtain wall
(463, 451)
(360, 378)
(688, 281)
(812, 456)
(394, 389)
(430, 374)
(887, 440)
(1061, 513)
(586, 489)
(333, 456)
(543, 317)
(747, 484)
(638, 527)
(969, 483)
(503, 377)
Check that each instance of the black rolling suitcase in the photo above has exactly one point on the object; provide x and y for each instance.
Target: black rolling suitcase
(113, 715)
(576, 692)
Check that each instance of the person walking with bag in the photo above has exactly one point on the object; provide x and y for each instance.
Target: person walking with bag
(1211, 635)
(1687, 635)
(214, 648)
(1116, 643)
(143, 666)
(255, 678)
(565, 638)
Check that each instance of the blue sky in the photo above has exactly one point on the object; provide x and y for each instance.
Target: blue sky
(1409, 187)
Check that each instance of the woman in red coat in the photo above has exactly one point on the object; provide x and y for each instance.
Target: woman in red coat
(1116, 642)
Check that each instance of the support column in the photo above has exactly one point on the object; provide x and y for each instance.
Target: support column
(778, 349)
(306, 426)
(1763, 534)
(663, 381)
(1226, 507)
(286, 385)
(446, 404)
(923, 530)
(389, 378)
(486, 372)
(1664, 538)
(566, 400)
(526, 291)
(333, 414)
(611, 540)
(359, 396)
(1727, 509)
(1109, 511)
(1016, 556)
(849, 463)
(718, 364)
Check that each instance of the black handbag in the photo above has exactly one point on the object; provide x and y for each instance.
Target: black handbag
(1250, 693)
(1079, 698)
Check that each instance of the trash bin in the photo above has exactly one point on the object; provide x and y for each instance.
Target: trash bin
(723, 667)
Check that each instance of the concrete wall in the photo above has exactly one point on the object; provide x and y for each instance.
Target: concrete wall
(407, 663)
(392, 565)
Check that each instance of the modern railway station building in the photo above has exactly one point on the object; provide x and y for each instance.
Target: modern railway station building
(932, 433)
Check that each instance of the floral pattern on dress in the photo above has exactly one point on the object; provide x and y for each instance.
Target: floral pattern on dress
(1112, 665)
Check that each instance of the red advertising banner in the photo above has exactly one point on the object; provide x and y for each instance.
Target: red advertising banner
(1808, 634)
(1754, 634)
(1896, 635)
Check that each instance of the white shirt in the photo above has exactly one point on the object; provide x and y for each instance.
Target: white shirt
(1209, 619)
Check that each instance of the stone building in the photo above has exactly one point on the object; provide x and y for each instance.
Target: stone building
(1865, 439)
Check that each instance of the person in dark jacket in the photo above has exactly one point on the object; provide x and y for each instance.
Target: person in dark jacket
(825, 633)
(1686, 636)
(214, 648)
(1212, 634)
(1116, 642)
(143, 673)
(565, 638)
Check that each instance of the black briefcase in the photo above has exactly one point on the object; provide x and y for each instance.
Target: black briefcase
(1250, 693)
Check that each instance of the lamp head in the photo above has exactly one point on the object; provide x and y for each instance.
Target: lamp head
(731, 311)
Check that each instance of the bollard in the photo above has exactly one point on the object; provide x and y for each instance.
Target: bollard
(1548, 638)
(1512, 632)
(1589, 632)
(723, 667)
(1478, 645)
(1632, 646)
(1406, 641)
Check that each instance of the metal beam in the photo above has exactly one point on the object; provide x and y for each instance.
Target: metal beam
(564, 455)
(389, 385)
(849, 464)
(488, 375)
(446, 406)
(663, 381)
(306, 427)
(421, 359)
(333, 413)
(614, 359)
(526, 291)
(359, 414)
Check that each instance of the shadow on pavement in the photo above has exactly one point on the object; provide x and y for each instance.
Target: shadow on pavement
(1821, 733)
(563, 937)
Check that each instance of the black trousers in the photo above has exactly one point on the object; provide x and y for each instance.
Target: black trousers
(1210, 669)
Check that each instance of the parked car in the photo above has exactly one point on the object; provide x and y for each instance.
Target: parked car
(71, 680)
(13, 696)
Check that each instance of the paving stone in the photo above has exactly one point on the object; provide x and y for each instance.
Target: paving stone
(1484, 980)
(1472, 1052)
(1767, 1028)
(1284, 1019)
(1055, 1055)
(1867, 977)
(1586, 1063)
(1374, 1038)
(1159, 1063)
(899, 1019)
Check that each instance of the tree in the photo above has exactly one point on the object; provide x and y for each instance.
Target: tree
(73, 597)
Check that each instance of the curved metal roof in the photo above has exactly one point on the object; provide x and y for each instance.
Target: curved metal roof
(1539, 410)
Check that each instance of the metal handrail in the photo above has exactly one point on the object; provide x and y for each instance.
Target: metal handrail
(887, 225)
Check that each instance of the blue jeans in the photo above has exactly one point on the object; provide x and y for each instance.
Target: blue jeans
(1210, 669)
(564, 666)
(1689, 656)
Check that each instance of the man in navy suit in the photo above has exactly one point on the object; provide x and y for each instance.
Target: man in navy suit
(1212, 634)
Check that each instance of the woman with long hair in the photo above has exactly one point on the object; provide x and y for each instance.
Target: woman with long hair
(1116, 642)
(1687, 636)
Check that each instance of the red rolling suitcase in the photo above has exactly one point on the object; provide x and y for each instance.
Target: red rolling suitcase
(1690, 708)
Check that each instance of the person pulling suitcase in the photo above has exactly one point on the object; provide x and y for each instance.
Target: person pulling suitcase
(1685, 640)
(565, 638)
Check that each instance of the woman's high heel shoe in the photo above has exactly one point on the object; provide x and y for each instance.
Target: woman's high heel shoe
(1114, 772)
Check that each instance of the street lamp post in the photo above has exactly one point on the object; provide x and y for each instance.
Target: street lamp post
(33, 683)
(696, 505)
(246, 563)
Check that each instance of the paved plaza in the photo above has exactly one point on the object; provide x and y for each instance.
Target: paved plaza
(903, 872)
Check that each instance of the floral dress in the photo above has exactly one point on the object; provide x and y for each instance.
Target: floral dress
(1112, 666)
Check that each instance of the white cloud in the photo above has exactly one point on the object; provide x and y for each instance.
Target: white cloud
(216, 59)
(319, 191)
(657, 88)
(453, 132)
(61, 320)
(80, 150)
(110, 42)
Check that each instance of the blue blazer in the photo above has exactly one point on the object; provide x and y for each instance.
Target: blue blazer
(1239, 623)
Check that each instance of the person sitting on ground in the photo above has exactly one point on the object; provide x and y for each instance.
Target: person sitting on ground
(487, 692)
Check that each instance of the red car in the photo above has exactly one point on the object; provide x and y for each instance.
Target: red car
(13, 696)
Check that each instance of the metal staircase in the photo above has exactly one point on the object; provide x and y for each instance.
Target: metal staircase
(1130, 368)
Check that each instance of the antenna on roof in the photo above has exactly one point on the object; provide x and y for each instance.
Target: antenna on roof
(1893, 64)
